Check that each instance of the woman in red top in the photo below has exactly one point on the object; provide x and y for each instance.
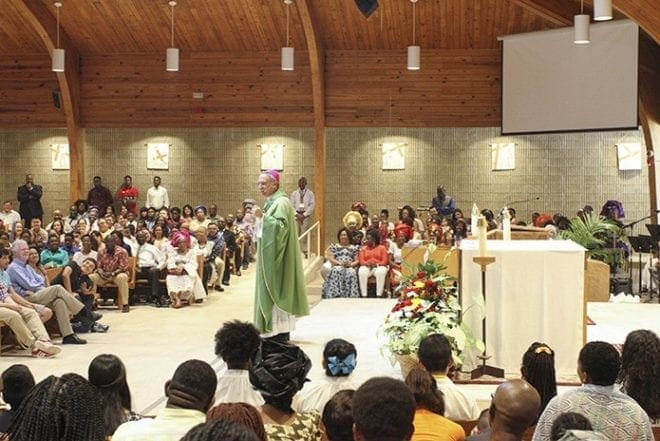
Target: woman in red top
(373, 260)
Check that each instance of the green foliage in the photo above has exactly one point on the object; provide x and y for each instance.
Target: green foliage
(597, 234)
(427, 304)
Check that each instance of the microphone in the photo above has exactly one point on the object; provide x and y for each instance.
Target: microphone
(524, 201)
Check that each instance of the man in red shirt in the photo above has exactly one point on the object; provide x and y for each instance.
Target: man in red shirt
(128, 194)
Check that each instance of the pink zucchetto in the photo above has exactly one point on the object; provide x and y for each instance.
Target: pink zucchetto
(274, 174)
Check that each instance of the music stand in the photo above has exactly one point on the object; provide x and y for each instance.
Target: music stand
(654, 231)
(642, 244)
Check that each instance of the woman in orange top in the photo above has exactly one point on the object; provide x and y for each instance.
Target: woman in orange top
(429, 423)
(373, 260)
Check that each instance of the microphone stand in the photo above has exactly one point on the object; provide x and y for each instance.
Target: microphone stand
(522, 201)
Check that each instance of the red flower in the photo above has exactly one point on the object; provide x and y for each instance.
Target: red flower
(421, 275)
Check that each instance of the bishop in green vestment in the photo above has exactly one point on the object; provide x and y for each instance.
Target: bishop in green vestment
(280, 292)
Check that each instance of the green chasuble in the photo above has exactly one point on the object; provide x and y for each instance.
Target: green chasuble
(280, 279)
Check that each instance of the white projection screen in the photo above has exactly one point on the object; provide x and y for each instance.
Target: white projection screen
(550, 84)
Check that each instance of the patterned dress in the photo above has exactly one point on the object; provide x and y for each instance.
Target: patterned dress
(615, 415)
(305, 427)
(341, 281)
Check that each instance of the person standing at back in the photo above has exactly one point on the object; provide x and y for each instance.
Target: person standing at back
(29, 196)
(303, 202)
(157, 196)
(99, 196)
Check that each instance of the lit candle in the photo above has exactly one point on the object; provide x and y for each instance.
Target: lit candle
(506, 224)
(473, 220)
(481, 226)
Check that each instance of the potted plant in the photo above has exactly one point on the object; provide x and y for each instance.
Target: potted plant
(427, 304)
(603, 238)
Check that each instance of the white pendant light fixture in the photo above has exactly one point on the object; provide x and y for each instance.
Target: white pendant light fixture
(172, 54)
(602, 10)
(287, 51)
(413, 51)
(58, 54)
(581, 26)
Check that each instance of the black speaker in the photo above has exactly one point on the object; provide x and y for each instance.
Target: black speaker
(367, 7)
(56, 99)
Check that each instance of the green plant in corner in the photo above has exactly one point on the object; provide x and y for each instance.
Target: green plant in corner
(601, 237)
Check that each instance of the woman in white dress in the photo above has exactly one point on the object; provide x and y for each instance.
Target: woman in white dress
(181, 270)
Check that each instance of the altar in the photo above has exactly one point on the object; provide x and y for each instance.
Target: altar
(534, 292)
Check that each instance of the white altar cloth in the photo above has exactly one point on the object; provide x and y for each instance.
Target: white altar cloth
(534, 292)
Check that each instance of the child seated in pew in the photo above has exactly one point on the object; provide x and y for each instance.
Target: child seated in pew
(339, 361)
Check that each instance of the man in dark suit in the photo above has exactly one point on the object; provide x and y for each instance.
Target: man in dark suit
(29, 195)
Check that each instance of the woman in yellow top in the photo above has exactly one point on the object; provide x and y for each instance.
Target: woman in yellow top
(429, 423)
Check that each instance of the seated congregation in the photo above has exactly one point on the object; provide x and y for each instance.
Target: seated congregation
(264, 395)
(370, 249)
(75, 264)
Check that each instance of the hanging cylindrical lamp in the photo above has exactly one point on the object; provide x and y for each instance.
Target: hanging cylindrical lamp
(172, 53)
(287, 51)
(602, 10)
(581, 26)
(58, 54)
(413, 50)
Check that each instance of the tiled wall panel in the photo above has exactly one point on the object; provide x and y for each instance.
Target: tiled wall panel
(565, 171)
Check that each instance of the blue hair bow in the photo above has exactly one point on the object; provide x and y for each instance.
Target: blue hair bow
(345, 366)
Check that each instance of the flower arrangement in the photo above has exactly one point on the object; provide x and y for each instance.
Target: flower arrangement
(427, 304)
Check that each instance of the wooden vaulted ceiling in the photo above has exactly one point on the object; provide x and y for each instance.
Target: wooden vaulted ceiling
(100, 27)
(230, 51)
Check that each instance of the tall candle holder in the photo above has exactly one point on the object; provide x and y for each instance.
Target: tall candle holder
(485, 369)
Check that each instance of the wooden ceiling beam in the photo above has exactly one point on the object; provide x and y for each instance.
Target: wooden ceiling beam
(643, 12)
(559, 12)
(317, 70)
(42, 20)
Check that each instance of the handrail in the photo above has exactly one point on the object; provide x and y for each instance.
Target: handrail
(307, 235)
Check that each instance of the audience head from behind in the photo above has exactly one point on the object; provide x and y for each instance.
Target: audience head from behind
(108, 374)
(598, 364)
(236, 342)
(513, 409)
(383, 410)
(640, 370)
(192, 386)
(66, 408)
(17, 381)
(278, 371)
(423, 386)
(434, 353)
(220, 429)
(568, 421)
(337, 416)
(240, 413)
(538, 369)
(339, 358)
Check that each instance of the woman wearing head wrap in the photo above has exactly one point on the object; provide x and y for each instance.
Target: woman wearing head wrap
(182, 279)
(278, 371)
(402, 234)
(352, 221)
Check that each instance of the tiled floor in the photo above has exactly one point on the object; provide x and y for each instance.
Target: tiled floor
(152, 342)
